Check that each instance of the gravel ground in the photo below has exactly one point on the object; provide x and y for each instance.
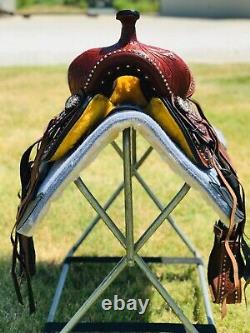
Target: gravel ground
(58, 39)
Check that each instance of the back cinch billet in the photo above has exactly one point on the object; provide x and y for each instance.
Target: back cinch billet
(160, 84)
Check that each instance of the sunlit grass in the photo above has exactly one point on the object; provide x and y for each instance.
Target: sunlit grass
(29, 97)
(59, 9)
(34, 7)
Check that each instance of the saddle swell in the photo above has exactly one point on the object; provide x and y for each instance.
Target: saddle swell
(161, 72)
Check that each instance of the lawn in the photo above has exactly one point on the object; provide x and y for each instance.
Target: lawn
(80, 6)
(29, 97)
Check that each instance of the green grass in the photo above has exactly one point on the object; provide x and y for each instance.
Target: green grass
(144, 6)
(80, 6)
(29, 97)
(51, 6)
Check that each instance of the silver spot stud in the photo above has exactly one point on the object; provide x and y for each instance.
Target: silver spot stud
(118, 68)
(127, 66)
(109, 73)
(146, 77)
(138, 69)
(102, 82)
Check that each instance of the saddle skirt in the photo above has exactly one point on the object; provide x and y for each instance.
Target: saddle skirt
(160, 82)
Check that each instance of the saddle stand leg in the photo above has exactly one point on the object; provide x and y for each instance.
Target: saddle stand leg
(130, 167)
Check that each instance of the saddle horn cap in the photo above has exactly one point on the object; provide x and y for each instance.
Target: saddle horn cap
(124, 14)
(128, 19)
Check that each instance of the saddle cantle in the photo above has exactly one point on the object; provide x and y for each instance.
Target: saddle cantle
(162, 72)
(160, 82)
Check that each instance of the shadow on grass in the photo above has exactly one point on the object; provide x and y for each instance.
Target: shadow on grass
(84, 278)
(81, 281)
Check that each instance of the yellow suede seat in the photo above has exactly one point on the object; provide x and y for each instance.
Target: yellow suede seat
(127, 90)
(95, 112)
(159, 112)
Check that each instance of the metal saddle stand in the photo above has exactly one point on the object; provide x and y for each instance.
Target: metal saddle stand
(130, 167)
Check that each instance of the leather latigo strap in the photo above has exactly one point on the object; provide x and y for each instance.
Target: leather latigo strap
(32, 173)
(226, 266)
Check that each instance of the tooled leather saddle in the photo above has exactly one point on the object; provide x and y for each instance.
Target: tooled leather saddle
(162, 75)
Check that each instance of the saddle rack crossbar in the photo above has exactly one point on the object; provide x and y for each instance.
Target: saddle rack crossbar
(131, 166)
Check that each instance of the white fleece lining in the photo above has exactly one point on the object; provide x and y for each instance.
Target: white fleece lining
(68, 169)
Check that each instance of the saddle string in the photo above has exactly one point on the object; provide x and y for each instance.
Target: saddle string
(28, 181)
(215, 164)
(231, 224)
(244, 246)
(13, 267)
(25, 175)
(16, 255)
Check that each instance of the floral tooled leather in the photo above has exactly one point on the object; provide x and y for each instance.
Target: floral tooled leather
(162, 71)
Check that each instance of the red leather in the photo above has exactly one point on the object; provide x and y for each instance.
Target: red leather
(165, 72)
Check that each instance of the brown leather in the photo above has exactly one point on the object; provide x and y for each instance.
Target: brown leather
(226, 265)
(56, 130)
(162, 73)
(31, 174)
(159, 69)
(220, 268)
(196, 128)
